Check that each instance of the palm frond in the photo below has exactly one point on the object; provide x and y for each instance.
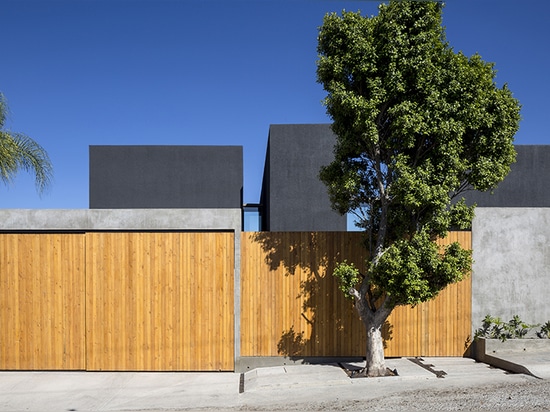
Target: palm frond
(20, 152)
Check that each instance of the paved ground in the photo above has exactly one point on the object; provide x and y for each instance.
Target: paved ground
(535, 363)
(258, 389)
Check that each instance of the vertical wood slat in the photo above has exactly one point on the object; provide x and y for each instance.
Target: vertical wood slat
(134, 297)
(291, 305)
(41, 301)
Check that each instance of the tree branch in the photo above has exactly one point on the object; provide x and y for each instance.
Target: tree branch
(353, 292)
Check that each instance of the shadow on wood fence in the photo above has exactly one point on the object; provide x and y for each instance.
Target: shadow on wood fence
(291, 304)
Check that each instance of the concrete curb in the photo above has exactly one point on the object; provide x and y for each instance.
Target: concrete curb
(333, 374)
(528, 356)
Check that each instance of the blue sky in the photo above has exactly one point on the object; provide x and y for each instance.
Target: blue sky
(215, 72)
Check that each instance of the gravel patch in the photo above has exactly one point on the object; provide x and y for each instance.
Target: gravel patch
(531, 395)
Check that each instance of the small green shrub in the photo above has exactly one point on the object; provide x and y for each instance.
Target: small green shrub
(544, 332)
(491, 328)
(495, 328)
(517, 328)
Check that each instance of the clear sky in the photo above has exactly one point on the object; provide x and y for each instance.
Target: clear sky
(210, 72)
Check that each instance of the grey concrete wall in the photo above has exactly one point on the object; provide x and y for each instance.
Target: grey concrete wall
(119, 219)
(130, 177)
(293, 197)
(511, 271)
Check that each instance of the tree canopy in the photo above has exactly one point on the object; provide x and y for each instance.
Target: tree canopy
(417, 125)
(20, 152)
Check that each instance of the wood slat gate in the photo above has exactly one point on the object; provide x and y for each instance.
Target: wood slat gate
(42, 318)
(291, 305)
(159, 301)
(117, 301)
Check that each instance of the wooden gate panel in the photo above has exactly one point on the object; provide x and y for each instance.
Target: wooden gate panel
(42, 318)
(160, 301)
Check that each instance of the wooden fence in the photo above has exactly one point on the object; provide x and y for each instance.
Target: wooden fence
(165, 301)
(117, 301)
(291, 305)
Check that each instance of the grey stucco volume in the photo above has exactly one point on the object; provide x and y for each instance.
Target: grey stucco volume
(527, 184)
(511, 271)
(293, 197)
(131, 177)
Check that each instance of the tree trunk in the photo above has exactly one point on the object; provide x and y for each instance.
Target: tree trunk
(373, 317)
(376, 363)
(374, 321)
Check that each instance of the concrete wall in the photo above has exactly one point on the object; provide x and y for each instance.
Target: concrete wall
(119, 219)
(511, 272)
(293, 197)
(131, 177)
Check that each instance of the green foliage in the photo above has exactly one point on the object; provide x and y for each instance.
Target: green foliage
(544, 332)
(348, 277)
(495, 328)
(517, 328)
(415, 270)
(20, 152)
(492, 328)
(417, 125)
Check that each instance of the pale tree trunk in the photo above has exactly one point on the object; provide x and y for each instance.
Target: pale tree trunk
(376, 363)
(373, 318)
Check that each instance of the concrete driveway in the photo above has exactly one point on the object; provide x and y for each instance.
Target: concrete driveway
(138, 391)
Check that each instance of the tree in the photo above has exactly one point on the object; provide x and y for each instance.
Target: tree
(416, 125)
(20, 152)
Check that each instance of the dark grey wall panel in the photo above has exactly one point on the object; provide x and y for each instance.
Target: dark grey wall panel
(129, 177)
(527, 184)
(293, 197)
